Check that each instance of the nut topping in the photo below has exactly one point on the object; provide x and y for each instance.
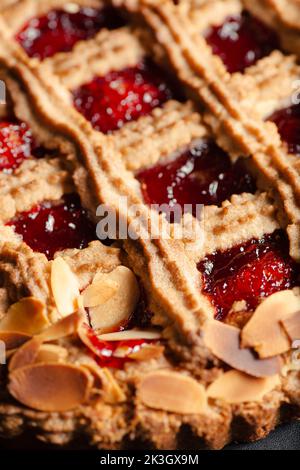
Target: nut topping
(26, 316)
(237, 387)
(50, 386)
(51, 353)
(100, 291)
(264, 332)
(171, 391)
(127, 335)
(224, 341)
(13, 339)
(65, 327)
(109, 314)
(113, 393)
(292, 326)
(65, 287)
(25, 355)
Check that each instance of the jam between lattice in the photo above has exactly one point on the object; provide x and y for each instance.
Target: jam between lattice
(59, 30)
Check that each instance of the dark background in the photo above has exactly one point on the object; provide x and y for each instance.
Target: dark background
(284, 438)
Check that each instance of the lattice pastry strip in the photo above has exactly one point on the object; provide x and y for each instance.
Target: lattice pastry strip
(246, 135)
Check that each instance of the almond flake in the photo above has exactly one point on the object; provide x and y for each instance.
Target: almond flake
(113, 393)
(236, 387)
(99, 292)
(51, 353)
(292, 326)
(92, 367)
(13, 339)
(130, 334)
(147, 352)
(117, 310)
(85, 333)
(224, 341)
(65, 287)
(171, 391)
(50, 386)
(25, 355)
(26, 316)
(264, 332)
(65, 327)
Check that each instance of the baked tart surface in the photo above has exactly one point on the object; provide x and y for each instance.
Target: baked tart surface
(159, 339)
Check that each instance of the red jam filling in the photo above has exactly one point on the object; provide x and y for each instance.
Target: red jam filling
(50, 227)
(121, 96)
(288, 123)
(16, 144)
(249, 272)
(241, 41)
(200, 175)
(59, 30)
(115, 354)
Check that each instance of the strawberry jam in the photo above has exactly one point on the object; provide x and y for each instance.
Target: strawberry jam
(50, 227)
(288, 124)
(121, 96)
(250, 272)
(59, 30)
(201, 175)
(115, 354)
(16, 144)
(241, 41)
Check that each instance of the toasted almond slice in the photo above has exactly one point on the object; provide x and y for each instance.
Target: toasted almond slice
(86, 334)
(147, 352)
(50, 386)
(110, 315)
(113, 393)
(92, 367)
(127, 335)
(65, 287)
(224, 341)
(171, 391)
(292, 326)
(65, 327)
(13, 339)
(236, 387)
(10, 353)
(27, 316)
(51, 353)
(25, 355)
(264, 332)
(99, 292)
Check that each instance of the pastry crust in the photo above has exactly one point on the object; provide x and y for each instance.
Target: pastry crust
(101, 168)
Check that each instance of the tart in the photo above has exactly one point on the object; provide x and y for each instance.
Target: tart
(169, 341)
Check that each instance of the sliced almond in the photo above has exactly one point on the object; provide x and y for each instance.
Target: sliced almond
(113, 394)
(65, 327)
(86, 334)
(224, 341)
(65, 287)
(171, 391)
(99, 292)
(292, 326)
(27, 316)
(118, 308)
(92, 367)
(13, 339)
(127, 335)
(50, 386)
(51, 353)
(236, 387)
(264, 332)
(25, 355)
(147, 352)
